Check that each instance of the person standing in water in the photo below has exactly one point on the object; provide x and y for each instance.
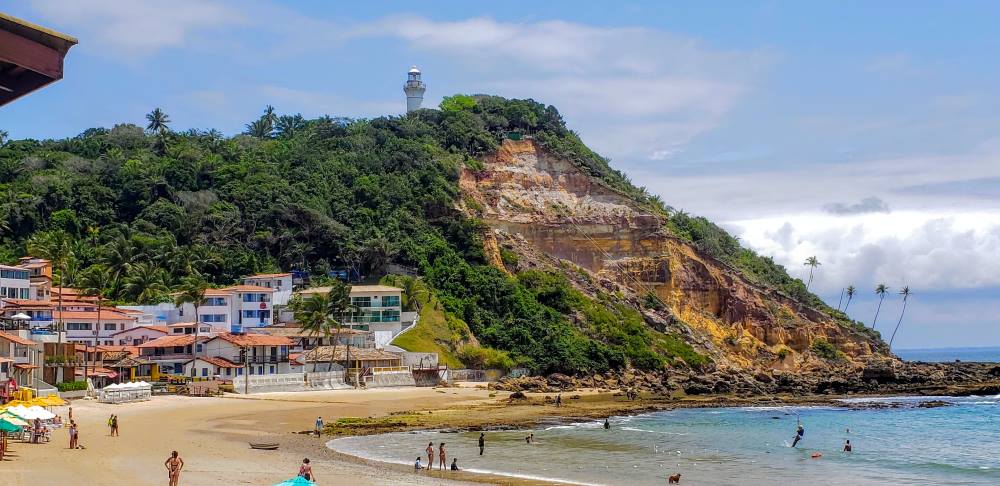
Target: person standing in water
(847, 446)
(443, 462)
(799, 432)
(607, 424)
(174, 465)
(482, 442)
(430, 455)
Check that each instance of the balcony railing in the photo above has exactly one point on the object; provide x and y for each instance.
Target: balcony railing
(261, 359)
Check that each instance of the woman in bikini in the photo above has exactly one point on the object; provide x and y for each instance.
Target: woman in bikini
(174, 464)
(306, 470)
(430, 455)
(444, 463)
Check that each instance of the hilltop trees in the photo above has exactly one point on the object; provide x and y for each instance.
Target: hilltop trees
(158, 121)
(880, 290)
(905, 292)
(812, 262)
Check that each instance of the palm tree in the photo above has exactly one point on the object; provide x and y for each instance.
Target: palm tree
(192, 291)
(311, 314)
(146, 283)
(259, 129)
(288, 125)
(906, 295)
(812, 262)
(270, 116)
(57, 247)
(119, 255)
(841, 301)
(881, 290)
(94, 282)
(158, 121)
(850, 295)
(337, 306)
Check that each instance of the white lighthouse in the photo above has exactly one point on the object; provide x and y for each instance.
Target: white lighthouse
(414, 89)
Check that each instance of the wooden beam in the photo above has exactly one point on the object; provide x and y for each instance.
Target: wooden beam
(21, 85)
(31, 55)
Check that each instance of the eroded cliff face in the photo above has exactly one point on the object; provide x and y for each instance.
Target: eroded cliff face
(529, 197)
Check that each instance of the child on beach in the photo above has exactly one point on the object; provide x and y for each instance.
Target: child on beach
(319, 426)
(416, 465)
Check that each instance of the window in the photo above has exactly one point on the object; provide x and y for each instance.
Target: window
(216, 301)
(260, 370)
(390, 316)
(271, 369)
(200, 346)
(11, 273)
(229, 371)
(178, 330)
(361, 301)
(178, 349)
(256, 297)
(109, 342)
(25, 294)
(78, 326)
(213, 318)
(110, 327)
(390, 301)
(254, 314)
(204, 372)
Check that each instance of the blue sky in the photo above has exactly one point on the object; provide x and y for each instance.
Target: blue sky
(865, 134)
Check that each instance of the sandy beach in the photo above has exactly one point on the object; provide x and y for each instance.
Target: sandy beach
(211, 435)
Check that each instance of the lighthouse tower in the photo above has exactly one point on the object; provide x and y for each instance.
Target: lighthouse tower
(414, 89)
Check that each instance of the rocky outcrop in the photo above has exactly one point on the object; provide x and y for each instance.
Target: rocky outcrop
(534, 201)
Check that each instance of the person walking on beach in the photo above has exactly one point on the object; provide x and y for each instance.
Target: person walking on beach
(306, 471)
(112, 417)
(430, 455)
(319, 426)
(441, 457)
(174, 465)
(114, 426)
(482, 442)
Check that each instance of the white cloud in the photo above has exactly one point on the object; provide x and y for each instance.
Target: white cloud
(137, 28)
(924, 250)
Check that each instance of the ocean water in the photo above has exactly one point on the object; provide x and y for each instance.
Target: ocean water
(955, 445)
(946, 355)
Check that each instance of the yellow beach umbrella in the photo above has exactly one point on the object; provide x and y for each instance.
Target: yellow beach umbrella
(56, 401)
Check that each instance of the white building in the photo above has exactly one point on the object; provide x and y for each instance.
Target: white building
(377, 308)
(15, 283)
(139, 335)
(234, 308)
(281, 283)
(259, 354)
(414, 89)
(81, 322)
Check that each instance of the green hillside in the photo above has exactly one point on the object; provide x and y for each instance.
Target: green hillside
(139, 210)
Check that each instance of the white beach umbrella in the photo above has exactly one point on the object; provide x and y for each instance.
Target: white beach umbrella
(41, 413)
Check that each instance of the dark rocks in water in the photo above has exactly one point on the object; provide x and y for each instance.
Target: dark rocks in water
(934, 404)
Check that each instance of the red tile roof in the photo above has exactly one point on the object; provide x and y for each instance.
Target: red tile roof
(217, 361)
(243, 340)
(162, 329)
(249, 288)
(17, 339)
(171, 341)
(106, 314)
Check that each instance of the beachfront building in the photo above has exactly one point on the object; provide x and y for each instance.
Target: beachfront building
(23, 358)
(188, 328)
(259, 354)
(80, 320)
(14, 283)
(233, 308)
(303, 340)
(40, 276)
(281, 283)
(139, 334)
(377, 308)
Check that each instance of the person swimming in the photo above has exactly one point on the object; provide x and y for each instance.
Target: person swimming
(847, 446)
(799, 432)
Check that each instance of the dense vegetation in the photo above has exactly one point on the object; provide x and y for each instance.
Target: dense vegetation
(129, 214)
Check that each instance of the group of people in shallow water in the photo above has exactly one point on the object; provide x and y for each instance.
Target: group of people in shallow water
(443, 456)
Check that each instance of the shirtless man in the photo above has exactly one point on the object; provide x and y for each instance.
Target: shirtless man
(430, 455)
(174, 464)
(444, 463)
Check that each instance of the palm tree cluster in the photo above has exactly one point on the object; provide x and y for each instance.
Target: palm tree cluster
(270, 125)
(881, 290)
(323, 315)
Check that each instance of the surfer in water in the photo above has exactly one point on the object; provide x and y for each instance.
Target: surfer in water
(799, 432)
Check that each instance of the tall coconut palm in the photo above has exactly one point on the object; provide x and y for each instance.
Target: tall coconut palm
(119, 255)
(880, 290)
(905, 292)
(192, 291)
(311, 314)
(841, 301)
(850, 295)
(259, 128)
(337, 306)
(94, 282)
(270, 116)
(158, 121)
(811, 262)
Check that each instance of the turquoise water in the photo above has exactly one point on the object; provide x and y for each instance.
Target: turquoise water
(945, 355)
(958, 445)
